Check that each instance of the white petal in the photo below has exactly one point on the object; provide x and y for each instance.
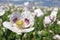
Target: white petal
(7, 24)
(27, 30)
(16, 30)
(20, 31)
(10, 27)
(2, 12)
(29, 16)
(47, 20)
(59, 37)
(28, 25)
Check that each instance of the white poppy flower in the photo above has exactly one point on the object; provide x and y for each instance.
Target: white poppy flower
(26, 3)
(46, 21)
(2, 12)
(56, 37)
(39, 32)
(4, 7)
(54, 14)
(58, 22)
(10, 4)
(38, 12)
(20, 23)
(50, 31)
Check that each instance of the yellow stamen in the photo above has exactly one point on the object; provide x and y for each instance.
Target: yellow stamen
(19, 22)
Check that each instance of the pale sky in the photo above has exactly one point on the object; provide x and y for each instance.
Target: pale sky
(43, 2)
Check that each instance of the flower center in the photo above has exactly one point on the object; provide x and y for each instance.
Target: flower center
(19, 22)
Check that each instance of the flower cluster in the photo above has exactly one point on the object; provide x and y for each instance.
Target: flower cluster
(21, 23)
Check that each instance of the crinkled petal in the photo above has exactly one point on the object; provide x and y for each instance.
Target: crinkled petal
(27, 30)
(29, 16)
(9, 26)
(15, 29)
(14, 15)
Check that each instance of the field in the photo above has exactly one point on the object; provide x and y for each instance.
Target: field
(6, 34)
